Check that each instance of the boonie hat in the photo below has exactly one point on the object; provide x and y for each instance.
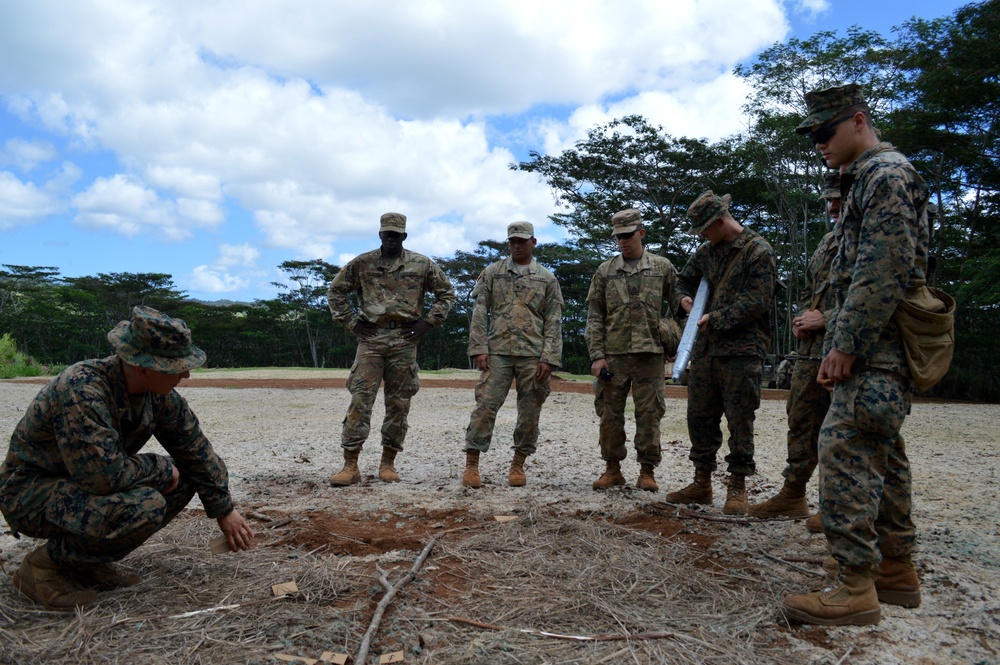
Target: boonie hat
(520, 230)
(831, 185)
(626, 221)
(393, 221)
(826, 104)
(156, 341)
(706, 209)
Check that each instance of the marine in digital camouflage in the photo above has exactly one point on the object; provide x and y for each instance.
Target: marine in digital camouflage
(882, 243)
(517, 321)
(74, 473)
(386, 293)
(725, 373)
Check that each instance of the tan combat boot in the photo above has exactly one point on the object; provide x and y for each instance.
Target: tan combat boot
(386, 470)
(103, 576)
(47, 583)
(350, 473)
(736, 495)
(611, 477)
(700, 491)
(647, 481)
(471, 476)
(790, 501)
(814, 524)
(896, 582)
(852, 601)
(516, 476)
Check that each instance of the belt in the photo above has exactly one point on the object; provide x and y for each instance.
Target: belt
(392, 325)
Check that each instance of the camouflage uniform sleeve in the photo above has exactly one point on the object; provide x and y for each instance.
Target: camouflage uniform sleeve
(756, 291)
(478, 331)
(552, 322)
(178, 431)
(92, 449)
(689, 277)
(444, 295)
(338, 296)
(885, 255)
(596, 315)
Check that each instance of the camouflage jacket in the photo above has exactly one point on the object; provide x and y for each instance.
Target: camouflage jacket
(81, 426)
(626, 305)
(882, 240)
(739, 310)
(389, 292)
(818, 294)
(524, 313)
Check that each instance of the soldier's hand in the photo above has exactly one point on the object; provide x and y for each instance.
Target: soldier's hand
(365, 329)
(704, 323)
(482, 361)
(835, 368)
(543, 372)
(237, 531)
(686, 304)
(414, 330)
(597, 366)
(810, 320)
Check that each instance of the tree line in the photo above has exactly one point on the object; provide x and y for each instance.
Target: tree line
(935, 93)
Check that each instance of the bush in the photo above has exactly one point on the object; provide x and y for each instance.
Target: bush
(13, 363)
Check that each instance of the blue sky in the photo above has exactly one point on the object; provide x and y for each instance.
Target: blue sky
(212, 140)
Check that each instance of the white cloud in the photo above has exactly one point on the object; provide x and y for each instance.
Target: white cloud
(231, 271)
(23, 203)
(210, 280)
(243, 256)
(26, 155)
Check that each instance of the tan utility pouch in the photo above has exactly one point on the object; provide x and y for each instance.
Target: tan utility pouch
(926, 319)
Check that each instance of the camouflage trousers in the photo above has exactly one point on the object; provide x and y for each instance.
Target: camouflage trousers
(717, 386)
(806, 407)
(91, 528)
(864, 474)
(385, 357)
(642, 373)
(491, 392)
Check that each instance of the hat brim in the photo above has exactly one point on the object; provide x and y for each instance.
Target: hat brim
(625, 229)
(134, 356)
(817, 118)
(525, 236)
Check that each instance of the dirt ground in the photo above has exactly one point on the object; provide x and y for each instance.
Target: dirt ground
(278, 432)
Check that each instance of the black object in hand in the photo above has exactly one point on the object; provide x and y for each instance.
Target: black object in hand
(605, 375)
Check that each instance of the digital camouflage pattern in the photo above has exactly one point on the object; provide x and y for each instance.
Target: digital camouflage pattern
(882, 240)
(388, 292)
(517, 314)
(157, 341)
(623, 327)
(642, 373)
(726, 364)
(491, 392)
(817, 294)
(626, 305)
(826, 104)
(74, 473)
(707, 208)
(517, 320)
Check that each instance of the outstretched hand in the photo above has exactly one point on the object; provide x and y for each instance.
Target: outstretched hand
(238, 533)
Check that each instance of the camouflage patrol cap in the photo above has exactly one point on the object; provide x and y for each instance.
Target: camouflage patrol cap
(393, 221)
(826, 104)
(831, 185)
(520, 230)
(706, 209)
(155, 341)
(625, 221)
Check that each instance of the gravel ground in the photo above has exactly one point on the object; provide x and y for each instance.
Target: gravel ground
(281, 446)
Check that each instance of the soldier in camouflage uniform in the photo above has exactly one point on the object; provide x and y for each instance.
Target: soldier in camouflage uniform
(728, 357)
(630, 295)
(379, 296)
(74, 474)
(808, 401)
(882, 242)
(515, 336)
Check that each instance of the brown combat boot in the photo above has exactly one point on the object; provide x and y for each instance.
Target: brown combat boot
(736, 495)
(47, 583)
(852, 601)
(471, 476)
(516, 476)
(386, 470)
(646, 479)
(350, 473)
(896, 581)
(790, 501)
(611, 477)
(814, 524)
(103, 576)
(700, 491)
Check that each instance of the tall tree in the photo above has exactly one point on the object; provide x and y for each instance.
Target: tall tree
(308, 300)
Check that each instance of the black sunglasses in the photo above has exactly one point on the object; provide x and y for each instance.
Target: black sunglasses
(625, 236)
(826, 131)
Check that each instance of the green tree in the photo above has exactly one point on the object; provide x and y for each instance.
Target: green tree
(307, 302)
